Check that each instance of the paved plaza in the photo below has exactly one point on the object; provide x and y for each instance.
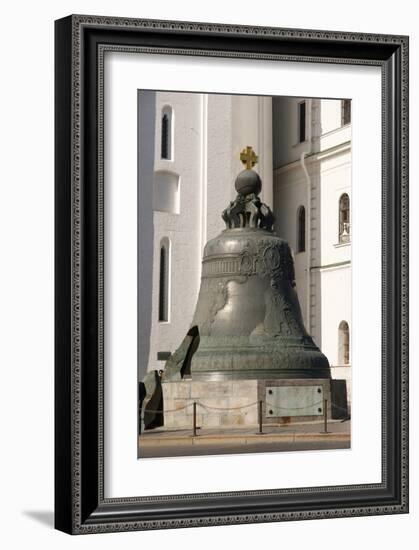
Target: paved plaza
(274, 438)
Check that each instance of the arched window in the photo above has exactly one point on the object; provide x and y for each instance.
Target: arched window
(164, 280)
(344, 219)
(302, 122)
(166, 133)
(343, 339)
(301, 229)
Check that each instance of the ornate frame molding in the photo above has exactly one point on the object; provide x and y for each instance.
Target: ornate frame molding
(80, 503)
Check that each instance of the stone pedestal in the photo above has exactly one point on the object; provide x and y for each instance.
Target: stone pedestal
(235, 403)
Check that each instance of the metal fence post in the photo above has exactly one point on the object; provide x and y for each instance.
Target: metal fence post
(194, 419)
(325, 415)
(260, 416)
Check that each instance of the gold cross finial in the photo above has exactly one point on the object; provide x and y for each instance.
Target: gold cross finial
(249, 157)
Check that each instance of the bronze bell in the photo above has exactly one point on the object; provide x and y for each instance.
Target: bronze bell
(247, 323)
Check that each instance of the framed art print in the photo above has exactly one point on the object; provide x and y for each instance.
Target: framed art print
(231, 274)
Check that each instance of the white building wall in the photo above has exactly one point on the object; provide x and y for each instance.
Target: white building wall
(287, 147)
(252, 125)
(331, 115)
(315, 174)
(220, 162)
(291, 192)
(336, 307)
(209, 131)
(339, 280)
(179, 226)
(336, 180)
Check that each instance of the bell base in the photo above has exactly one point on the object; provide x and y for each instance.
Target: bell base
(239, 403)
(258, 358)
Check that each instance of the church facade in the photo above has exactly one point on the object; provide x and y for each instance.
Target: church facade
(189, 147)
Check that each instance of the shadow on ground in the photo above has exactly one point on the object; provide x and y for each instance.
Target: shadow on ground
(46, 517)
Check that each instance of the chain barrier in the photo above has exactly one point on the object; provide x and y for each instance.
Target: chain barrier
(168, 410)
(294, 408)
(209, 407)
(194, 404)
(226, 408)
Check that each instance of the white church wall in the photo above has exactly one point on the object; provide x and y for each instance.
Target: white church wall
(189, 190)
(166, 193)
(196, 183)
(321, 127)
(290, 192)
(324, 292)
(288, 148)
(233, 122)
(181, 228)
(252, 125)
(220, 162)
(265, 149)
(176, 218)
(335, 174)
(331, 115)
(146, 241)
(336, 290)
(335, 137)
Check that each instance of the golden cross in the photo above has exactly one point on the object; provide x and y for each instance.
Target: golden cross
(249, 157)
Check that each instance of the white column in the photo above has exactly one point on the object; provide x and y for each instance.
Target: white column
(252, 125)
(204, 174)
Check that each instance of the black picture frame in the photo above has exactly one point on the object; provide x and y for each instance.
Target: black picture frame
(80, 506)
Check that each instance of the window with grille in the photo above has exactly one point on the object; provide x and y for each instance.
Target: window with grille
(301, 229)
(344, 219)
(302, 121)
(164, 282)
(343, 336)
(346, 111)
(166, 133)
